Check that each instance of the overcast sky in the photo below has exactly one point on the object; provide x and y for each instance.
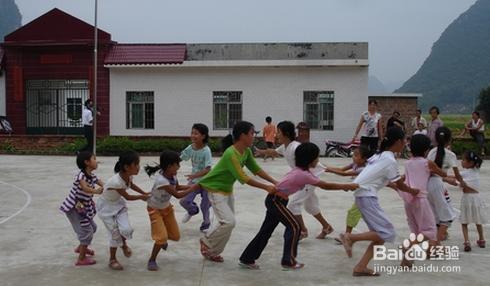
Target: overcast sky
(400, 32)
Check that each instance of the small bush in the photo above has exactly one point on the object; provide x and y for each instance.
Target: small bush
(7, 147)
(460, 146)
(115, 145)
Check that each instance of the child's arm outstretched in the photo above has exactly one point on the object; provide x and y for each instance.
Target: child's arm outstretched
(337, 186)
(129, 197)
(267, 152)
(179, 191)
(401, 186)
(271, 189)
(137, 189)
(199, 174)
(345, 171)
(89, 190)
(266, 177)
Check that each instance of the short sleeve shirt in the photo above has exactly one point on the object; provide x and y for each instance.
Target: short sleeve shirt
(87, 117)
(380, 170)
(160, 198)
(230, 169)
(431, 132)
(115, 182)
(449, 162)
(200, 159)
(288, 152)
(472, 178)
(295, 180)
(371, 124)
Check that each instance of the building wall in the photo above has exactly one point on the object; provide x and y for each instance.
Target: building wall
(183, 96)
(2, 93)
(407, 106)
(27, 64)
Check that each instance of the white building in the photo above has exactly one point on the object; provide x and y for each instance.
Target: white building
(161, 90)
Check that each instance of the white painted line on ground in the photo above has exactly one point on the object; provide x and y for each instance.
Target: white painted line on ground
(23, 207)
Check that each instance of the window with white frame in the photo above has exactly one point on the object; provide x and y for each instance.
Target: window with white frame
(140, 110)
(318, 109)
(227, 109)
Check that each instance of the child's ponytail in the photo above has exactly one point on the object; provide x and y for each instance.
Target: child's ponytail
(443, 137)
(126, 159)
(150, 170)
(241, 127)
(167, 158)
(392, 135)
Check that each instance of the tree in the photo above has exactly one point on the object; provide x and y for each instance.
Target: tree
(484, 103)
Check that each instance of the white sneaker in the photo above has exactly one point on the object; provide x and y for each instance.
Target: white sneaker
(186, 217)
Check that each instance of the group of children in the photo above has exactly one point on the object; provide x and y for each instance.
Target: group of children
(427, 204)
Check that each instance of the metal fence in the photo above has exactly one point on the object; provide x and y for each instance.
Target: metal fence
(55, 106)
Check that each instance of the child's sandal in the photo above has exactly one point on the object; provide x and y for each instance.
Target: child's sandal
(115, 265)
(481, 243)
(215, 258)
(204, 248)
(85, 262)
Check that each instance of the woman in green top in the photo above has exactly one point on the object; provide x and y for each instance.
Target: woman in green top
(219, 184)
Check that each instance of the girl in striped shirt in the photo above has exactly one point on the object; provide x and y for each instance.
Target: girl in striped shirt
(80, 208)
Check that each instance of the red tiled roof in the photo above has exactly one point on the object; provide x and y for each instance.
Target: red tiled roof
(133, 54)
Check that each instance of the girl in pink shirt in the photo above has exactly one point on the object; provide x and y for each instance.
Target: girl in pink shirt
(306, 158)
(418, 170)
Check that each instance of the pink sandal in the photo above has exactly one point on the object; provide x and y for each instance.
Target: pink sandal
(85, 262)
(207, 254)
(481, 243)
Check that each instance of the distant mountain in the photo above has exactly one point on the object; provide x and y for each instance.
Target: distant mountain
(458, 66)
(10, 17)
(375, 86)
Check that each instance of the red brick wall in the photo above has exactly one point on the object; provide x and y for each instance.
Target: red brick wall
(407, 106)
(28, 63)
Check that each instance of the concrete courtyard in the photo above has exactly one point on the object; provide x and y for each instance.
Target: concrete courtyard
(36, 240)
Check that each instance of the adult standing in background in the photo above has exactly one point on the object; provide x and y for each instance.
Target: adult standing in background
(435, 123)
(395, 121)
(371, 120)
(476, 128)
(418, 119)
(87, 121)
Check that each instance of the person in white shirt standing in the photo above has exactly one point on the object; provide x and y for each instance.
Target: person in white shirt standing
(87, 121)
(417, 120)
(476, 128)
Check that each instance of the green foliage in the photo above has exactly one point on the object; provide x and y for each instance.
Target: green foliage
(71, 147)
(456, 123)
(460, 146)
(113, 145)
(7, 147)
